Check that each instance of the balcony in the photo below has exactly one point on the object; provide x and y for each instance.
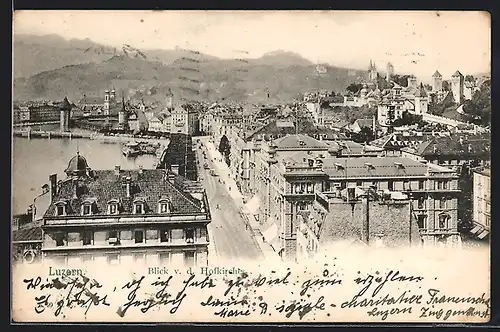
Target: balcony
(131, 246)
(438, 231)
(97, 220)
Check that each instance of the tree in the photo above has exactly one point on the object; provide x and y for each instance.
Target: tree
(478, 109)
(446, 86)
(408, 119)
(354, 87)
(401, 80)
(225, 149)
(365, 135)
(469, 78)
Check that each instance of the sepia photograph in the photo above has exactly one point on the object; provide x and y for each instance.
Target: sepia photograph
(251, 166)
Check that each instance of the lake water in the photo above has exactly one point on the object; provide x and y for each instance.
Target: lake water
(34, 160)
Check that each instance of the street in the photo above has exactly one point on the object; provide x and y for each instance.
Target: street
(229, 236)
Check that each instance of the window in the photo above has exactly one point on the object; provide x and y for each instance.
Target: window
(189, 234)
(139, 236)
(422, 221)
(60, 239)
(390, 185)
(87, 258)
(421, 202)
(421, 184)
(112, 237)
(61, 210)
(443, 221)
(359, 183)
(151, 234)
(113, 258)
(86, 210)
(138, 208)
(113, 208)
(87, 237)
(164, 257)
(310, 188)
(164, 207)
(189, 258)
(442, 203)
(302, 206)
(165, 235)
(445, 185)
(138, 256)
(406, 185)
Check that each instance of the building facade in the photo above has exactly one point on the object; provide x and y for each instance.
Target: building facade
(119, 216)
(184, 120)
(288, 185)
(481, 211)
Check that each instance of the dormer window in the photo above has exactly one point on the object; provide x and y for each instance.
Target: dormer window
(86, 210)
(61, 208)
(88, 207)
(113, 207)
(164, 205)
(139, 206)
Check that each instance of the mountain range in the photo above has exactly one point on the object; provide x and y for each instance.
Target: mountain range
(51, 67)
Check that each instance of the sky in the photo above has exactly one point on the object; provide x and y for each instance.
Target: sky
(414, 42)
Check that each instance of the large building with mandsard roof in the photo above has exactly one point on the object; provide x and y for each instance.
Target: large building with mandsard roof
(119, 216)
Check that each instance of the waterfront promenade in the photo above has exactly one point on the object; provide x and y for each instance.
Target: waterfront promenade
(83, 134)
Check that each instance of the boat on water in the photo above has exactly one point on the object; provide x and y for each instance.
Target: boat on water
(131, 149)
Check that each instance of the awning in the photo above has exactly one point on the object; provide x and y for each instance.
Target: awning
(483, 234)
(475, 229)
(270, 233)
(276, 244)
(252, 206)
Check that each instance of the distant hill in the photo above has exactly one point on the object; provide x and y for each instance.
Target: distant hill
(148, 73)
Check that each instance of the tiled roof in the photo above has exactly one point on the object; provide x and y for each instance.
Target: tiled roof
(353, 148)
(457, 74)
(382, 141)
(437, 74)
(470, 147)
(389, 222)
(377, 167)
(27, 234)
(294, 142)
(105, 186)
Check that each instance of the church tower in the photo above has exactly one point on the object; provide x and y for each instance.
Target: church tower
(372, 71)
(169, 99)
(106, 102)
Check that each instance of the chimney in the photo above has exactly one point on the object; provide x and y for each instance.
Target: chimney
(365, 235)
(117, 170)
(75, 188)
(171, 177)
(128, 181)
(53, 185)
